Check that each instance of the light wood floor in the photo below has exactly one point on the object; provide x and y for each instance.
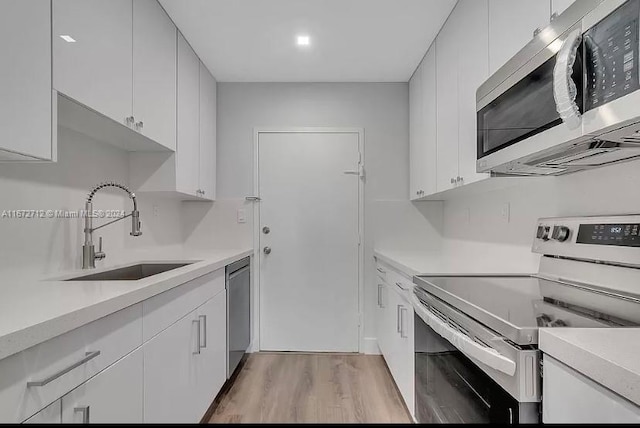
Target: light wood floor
(308, 388)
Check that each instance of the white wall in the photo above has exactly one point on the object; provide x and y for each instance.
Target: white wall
(47, 246)
(485, 242)
(381, 109)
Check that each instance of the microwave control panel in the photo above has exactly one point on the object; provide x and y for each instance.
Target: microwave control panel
(611, 53)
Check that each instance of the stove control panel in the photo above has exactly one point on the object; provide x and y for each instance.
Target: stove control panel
(612, 239)
(623, 235)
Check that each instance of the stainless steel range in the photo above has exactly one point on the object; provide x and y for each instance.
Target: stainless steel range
(476, 336)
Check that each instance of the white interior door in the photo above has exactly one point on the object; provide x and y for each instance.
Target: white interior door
(309, 280)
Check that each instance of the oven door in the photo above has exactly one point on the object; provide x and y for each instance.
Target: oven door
(450, 388)
(519, 117)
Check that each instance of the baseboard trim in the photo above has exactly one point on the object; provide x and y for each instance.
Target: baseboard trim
(370, 346)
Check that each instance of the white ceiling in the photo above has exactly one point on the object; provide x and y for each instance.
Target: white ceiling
(351, 40)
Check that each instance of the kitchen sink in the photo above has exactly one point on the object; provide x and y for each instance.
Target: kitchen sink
(131, 273)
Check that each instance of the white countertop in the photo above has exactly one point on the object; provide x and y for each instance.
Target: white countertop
(412, 263)
(609, 356)
(33, 310)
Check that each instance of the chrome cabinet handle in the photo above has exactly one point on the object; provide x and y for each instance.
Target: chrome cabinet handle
(197, 351)
(129, 121)
(203, 318)
(379, 305)
(398, 318)
(381, 270)
(453, 181)
(87, 357)
(267, 250)
(139, 125)
(399, 284)
(510, 416)
(403, 310)
(86, 416)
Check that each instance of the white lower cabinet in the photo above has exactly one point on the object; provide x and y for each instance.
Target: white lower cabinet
(185, 365)
(570, 397)
(52, 414)
(394, 322)
(113, 396)
(108, 371)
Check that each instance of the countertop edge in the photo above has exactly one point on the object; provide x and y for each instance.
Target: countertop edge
(581, 359)
(407, 270)
(20, 340)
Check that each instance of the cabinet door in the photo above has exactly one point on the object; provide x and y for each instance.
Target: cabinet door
(95, 70)
(188, 144)
(211, 367)
(25, 79)
(428, 131)
(559, 6)
(381, 317)
(447, 100)
(154, 72)
(207, 134)
(170, 376)
(113, 396)
(416, 145)
(473, 70)
(570, 397)
(405, 357)
(511, 27)
(52, 414)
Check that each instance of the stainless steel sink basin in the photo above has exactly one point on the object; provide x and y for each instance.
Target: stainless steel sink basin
(130, 273)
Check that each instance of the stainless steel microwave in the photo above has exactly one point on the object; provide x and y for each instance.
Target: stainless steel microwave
(569, 100)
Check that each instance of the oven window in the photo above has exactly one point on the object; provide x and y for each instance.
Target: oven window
(526, 109)
(450, 388)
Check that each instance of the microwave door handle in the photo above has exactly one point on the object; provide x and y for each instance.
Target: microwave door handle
(564, 88)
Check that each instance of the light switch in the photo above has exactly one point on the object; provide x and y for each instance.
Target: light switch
(242, 215)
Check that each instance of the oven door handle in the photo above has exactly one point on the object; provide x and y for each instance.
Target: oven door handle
(564, 88)
(466, 345)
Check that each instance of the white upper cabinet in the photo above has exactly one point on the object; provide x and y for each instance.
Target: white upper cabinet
(473, 70)
(416, 145)
(93, 65)
(188, 148)
(154, 72)
(118, 58)
(511, 27)
(423, 135)
(27, 112)
(559, 6)
(448, 43)
(207, 167)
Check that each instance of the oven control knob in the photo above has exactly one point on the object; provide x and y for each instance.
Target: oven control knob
(561, 233)
(545, 233)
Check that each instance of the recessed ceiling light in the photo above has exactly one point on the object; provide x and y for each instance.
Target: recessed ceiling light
(303, 40)
(67, 38)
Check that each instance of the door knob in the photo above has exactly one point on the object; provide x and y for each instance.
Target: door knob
(267, 250)
(266, 230)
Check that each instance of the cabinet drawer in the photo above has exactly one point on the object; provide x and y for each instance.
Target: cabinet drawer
(382, 270)
(64, 362)
(166, 308)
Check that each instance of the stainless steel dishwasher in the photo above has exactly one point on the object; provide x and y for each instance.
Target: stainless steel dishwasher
(238, 312)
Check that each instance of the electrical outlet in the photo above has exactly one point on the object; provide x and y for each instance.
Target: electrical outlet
(505, 212)
(242, 215)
